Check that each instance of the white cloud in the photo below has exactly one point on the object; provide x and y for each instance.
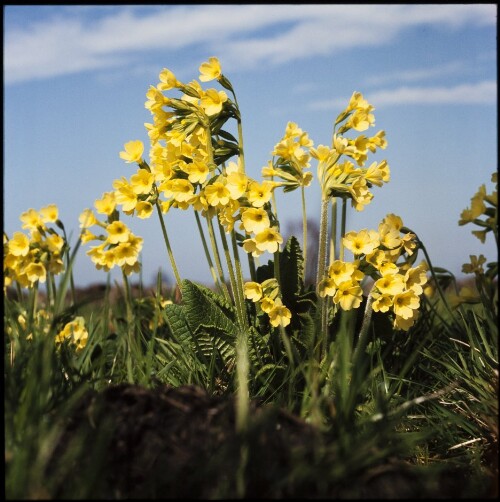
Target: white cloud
(452, 68)
(465, 94)
(79, 40)
(478, 93)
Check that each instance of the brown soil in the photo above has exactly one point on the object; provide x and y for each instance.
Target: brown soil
(170, 443)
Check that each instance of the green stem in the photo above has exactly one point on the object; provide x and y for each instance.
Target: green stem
(363, 334)
(169, 249)
(304, 232)
(323, 225)
(207, 253)
(232, 278)
(342, 228)
(323, 306)
(240, 133)
(251, 266)
(68, 261)
(277, 272)
(440, 290)
(242, 369)
(130, 326)
(218, 262)
(333, 231)
(239, 278)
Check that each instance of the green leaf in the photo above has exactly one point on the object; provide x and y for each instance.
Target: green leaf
(206, 309)
(226, 135)
(291, 269)
(177, 322)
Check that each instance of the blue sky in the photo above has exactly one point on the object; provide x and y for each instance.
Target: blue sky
(75, 79)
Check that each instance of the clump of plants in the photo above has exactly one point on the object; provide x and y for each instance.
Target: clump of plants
(376, 355)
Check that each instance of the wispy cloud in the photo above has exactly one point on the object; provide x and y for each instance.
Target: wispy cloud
(243, 36)
(465, 94)
(419, 74)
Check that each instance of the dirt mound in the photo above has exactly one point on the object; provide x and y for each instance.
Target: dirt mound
(170, 443)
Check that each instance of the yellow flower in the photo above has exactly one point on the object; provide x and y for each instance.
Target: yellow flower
(106, 204)
(409, 242)
(212, 101)
(405, 303)
(54, 243)
(76, 331)
(416, 277)
(129, 269)
(393, 221)
(227, 215)
(361, 196)
(125, 254)
(167, 80)
(378, 174)
(197, 171)
(306, 179)
(217, 194)
(254, 220)
(181, 190)
(259, 194)
(31, 219)
(279, 314)
(268, 240)
(199, 202)
(87, 218)
(267, 304)
(406, 323)
(390, 284)
(49, 214)
(340, 272)
(382, 303)
(358, 102)
(326, 287)
(19, 245)
(125, 195)
(117, 232)
(253, 291)
(155, 100)
(236, 184)
(465, 295)
(349, 295)
(133, 151)
(210, 70)
(36, 272)
(80, 333)
(250, 246)
(475, 266)
(389, 236)
(142, 181)
(144, 209)
(362, 242)
(361, 120)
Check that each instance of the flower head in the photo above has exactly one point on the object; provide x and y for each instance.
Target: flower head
(133, 152)
(210, 70)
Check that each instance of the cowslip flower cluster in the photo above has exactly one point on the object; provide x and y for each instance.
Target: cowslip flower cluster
(118, 246)
(400, 293)
(385, 255)
(482, 204)
(29, 258)
(342, 283)
(290, 159)
(337, 172)
(74, 331)
(483, 212)
(187, 162)
(41, 324)
(267, 295)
